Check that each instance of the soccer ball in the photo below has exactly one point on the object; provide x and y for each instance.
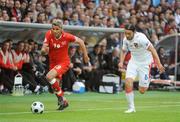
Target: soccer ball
(37, 107)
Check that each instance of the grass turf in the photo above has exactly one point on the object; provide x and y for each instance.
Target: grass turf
(154, 106)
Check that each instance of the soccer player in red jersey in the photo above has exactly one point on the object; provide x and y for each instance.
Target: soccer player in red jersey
(56, 46)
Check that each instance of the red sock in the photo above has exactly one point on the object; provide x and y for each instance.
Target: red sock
(55, 85)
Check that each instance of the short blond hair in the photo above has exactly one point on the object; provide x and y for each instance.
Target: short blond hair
(57, 22)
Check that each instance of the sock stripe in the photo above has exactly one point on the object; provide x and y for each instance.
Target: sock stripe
(52, 81)
(60, 93)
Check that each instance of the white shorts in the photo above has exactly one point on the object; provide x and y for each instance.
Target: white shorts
(141, 71)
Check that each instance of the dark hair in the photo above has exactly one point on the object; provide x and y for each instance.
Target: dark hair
(19, 42)
(8, 40)
(96, 45)
(5, 41)
(130, 27)
(30, 40)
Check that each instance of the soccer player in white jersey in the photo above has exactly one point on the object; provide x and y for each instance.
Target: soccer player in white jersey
(142, 55)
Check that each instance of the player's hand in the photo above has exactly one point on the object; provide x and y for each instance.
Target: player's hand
(86, 58)
(121, 67)
(14, 68)
(161, 68)
(71, 65)
(44, 50)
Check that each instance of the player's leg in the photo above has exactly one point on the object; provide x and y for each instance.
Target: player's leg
(51, 78)
(130, 76)
(61, 69)
(129, 95)
(62, 102)
(144, 78)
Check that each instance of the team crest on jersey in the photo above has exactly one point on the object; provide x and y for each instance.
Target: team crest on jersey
(63, 43)
(136, 45)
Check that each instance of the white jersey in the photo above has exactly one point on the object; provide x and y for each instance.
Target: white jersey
(138, 48)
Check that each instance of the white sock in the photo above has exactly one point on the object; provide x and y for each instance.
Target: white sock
(1, 87)
(37, 88)
(130, 100)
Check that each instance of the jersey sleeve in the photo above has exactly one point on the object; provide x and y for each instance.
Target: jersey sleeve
(70, 37)
(144, 41)
(46, 39)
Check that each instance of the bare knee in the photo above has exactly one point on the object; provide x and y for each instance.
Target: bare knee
(142, 90)
(51, 75)
(48, 77)
(128, 85)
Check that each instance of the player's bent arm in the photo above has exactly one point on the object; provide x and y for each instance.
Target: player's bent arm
(45, 49)
(83, 47)
(154, 54)
(156, 57)
(122, 56)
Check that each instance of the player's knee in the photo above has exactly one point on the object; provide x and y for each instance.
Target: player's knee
(128, 90)
(48, 77)
(142, 90)
(128, 87)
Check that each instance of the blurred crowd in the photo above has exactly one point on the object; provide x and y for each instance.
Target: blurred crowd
(24, 57)
(155, 18)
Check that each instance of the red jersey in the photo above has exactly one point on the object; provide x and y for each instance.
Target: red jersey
(58, 48)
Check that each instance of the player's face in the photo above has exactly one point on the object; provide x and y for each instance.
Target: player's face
(5, 46)
(56, 30)
(129, 34)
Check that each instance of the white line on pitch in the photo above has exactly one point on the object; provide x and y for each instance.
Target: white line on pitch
(93, 109)
(109, 101)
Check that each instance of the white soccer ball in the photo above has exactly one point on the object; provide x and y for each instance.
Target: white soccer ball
(37, 107)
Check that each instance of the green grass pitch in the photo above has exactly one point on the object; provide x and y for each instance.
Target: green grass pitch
(154, 106)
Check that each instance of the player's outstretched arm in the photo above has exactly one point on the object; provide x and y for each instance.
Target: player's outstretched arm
(83, 47)
(156, 57)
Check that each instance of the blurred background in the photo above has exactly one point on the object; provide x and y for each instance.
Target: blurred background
(99, 23)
